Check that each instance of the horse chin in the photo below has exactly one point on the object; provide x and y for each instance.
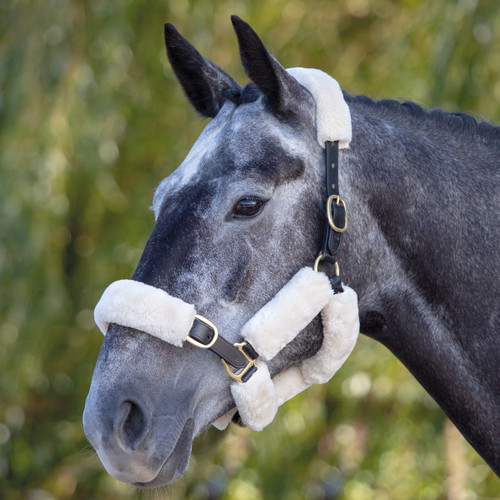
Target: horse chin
(142, 472)
(176, 464)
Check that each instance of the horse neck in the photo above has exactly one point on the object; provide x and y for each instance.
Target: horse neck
(417, 254)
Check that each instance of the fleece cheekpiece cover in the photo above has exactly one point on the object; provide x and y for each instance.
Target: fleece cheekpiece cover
(288, 312)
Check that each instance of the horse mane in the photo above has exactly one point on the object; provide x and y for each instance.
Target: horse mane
(394, 110)
(414, 114)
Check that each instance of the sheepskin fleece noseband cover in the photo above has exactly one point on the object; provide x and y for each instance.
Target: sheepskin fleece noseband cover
(308, 293)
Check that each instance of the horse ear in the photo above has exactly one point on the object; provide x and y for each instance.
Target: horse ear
(204, 83)
(280, 88)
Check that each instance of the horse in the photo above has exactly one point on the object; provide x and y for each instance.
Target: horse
(245, 210)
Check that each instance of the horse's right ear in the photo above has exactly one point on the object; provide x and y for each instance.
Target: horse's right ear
(204, 83)
(281, 89)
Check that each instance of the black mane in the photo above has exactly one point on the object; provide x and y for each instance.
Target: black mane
(393, 110)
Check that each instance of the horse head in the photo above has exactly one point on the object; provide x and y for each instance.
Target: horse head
(241, 215)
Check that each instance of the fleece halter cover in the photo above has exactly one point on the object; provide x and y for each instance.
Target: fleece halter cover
(152, 310)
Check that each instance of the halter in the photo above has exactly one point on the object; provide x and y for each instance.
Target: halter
(310, 292)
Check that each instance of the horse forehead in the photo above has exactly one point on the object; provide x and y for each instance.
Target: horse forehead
(236, 138)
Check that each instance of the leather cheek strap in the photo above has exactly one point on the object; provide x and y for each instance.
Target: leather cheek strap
(204, 335)
(332, 237)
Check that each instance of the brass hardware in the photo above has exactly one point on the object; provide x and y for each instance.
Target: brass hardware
(339, 201)
(319, 258)
(251, 362)
(209, 324)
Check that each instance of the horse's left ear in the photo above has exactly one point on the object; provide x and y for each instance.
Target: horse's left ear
(280, 88)
(204, 83)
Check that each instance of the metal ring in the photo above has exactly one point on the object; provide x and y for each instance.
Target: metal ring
(337, 268)
(319, 258)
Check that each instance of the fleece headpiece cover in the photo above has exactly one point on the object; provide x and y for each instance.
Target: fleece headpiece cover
(333, 118)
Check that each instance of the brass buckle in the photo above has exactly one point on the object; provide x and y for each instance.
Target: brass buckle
(251, 362)
(339, 201)
(319, 258)
(207, 322)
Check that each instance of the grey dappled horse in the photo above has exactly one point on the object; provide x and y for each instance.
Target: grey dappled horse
(245, 211)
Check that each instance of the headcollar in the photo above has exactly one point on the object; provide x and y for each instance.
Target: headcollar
(257, 396)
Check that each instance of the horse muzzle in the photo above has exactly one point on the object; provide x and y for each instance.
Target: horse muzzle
(134, 446)
(145, 406)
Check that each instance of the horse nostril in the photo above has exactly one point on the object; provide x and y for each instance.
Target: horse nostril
(132, 425)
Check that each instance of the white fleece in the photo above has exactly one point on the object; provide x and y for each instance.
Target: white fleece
(222, 422)
(288, 312)
(340, 333)
(333, 118)
(146, 308)
(289, 383)
(256, 399)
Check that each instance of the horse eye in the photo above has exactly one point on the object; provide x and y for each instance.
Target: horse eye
(248, 207)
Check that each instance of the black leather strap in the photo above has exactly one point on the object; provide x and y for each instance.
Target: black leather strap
(331, 238)
(204, 334)
(237, 419)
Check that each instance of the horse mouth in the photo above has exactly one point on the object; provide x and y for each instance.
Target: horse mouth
(176, 464)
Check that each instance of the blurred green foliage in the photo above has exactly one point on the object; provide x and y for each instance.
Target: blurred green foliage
(91, 119)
